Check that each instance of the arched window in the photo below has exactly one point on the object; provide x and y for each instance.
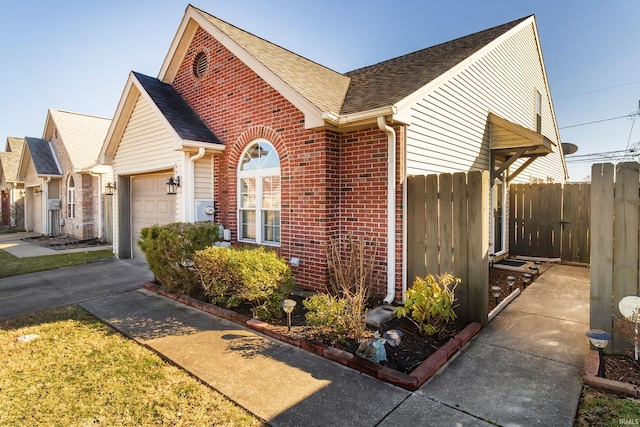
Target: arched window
(71, 198)
(259, 194)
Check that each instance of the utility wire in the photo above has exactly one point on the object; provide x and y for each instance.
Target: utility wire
(628, 116)
(597, 90)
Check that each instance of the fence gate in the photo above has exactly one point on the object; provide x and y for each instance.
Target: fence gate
(550, 221)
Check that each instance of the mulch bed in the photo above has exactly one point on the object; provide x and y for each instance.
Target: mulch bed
(622, 368)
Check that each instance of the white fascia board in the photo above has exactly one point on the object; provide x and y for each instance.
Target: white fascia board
(421, 93)
(209, 146)
(109, 146)
(312, 114)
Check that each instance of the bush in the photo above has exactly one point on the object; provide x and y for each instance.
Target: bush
(170, 249)
(326, 310)
(232, 276)
(430, 303)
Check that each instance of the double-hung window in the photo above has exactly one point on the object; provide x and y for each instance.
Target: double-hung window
(259, 194)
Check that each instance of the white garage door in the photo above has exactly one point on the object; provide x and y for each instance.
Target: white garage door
(150, 204)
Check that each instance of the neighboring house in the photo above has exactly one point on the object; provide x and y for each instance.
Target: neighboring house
(292, 154)
(64, 184)
(11, 185)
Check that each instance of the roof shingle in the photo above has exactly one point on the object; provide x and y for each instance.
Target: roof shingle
(43, 157)
(184, 120)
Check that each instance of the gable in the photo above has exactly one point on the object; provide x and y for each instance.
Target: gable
(312, 88)
(145, 145)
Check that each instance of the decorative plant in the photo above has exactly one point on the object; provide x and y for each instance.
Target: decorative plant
(350, 262)
(430, 303)
(629, 328)
(169, 250)
(231, 276)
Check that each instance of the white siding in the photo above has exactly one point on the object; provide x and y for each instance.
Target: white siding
(449, 131)
(31, 178)
(146, 145)
(203, 177)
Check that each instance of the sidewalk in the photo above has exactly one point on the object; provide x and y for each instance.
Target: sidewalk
(523, 369)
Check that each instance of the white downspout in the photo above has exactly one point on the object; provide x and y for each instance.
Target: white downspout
(391, 208)
(44, 207)
(99, 176)
(192, 184)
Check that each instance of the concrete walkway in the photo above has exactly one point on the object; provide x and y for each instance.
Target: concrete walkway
(523, 369)
(14, 244)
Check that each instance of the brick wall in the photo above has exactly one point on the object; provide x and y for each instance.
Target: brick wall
(331, 183)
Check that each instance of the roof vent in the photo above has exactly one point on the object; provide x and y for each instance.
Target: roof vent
(200, 64)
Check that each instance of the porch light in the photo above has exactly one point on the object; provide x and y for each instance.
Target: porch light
(109, 189)
(496, 290)
(511, 280)
(526, 278)
(599, 339)
(173, 184)
(288, 305)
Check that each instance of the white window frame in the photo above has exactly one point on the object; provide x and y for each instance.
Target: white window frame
(258, 174)
(71, 197)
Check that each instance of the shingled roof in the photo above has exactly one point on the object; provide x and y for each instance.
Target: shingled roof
(43, 157)
(320, 85)
(388, 82)
(376, 86)
(14, 144)
(9, 163)
(187, 124)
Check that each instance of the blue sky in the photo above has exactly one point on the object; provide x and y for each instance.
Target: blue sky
(75, 55)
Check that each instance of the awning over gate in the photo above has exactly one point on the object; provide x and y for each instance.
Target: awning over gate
(514, 142)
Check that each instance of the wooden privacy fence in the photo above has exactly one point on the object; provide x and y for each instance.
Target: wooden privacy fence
(550, 220)
(615, 201)
(448, 231)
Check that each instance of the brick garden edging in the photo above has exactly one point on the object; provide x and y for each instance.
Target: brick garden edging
(409, 382)
(591, 378)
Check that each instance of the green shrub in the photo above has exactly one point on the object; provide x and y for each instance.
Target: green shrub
(170, 249)
(326, 310)
(232, 276)
(430, 303)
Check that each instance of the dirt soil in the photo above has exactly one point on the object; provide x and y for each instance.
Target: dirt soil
(622, 368)
(63, 242)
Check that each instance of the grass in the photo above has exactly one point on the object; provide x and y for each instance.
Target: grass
(13, 266)
(80, 372)
(603, 409)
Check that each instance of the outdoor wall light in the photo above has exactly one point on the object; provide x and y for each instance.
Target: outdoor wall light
(173, 184)
(599, 339)
(288, 305)
(511, 280)
(526, 278)
(109, 189)
(496, 290)
(295, 262)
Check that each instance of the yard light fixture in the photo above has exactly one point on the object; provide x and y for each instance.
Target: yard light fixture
(173, 184)
(288, 305)
(496, 290)
(109, 189)
(599, 339)
(526, 278)
(534, 269)
(511, 280)
(491, 258)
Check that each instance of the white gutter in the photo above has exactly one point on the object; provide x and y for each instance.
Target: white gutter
(191, 183)
(99, 176)
(391, 208)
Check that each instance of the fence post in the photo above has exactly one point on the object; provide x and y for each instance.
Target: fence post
(625, 235)
(460, 247)
(478, 246)
(602, 185)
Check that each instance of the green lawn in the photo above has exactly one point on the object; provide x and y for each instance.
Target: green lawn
(80, 372)
(12, 266)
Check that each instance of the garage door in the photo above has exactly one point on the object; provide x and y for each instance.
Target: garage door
(150, 204)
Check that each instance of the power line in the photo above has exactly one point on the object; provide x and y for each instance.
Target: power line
(606, 155)
(597, 90)
(628, 116)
